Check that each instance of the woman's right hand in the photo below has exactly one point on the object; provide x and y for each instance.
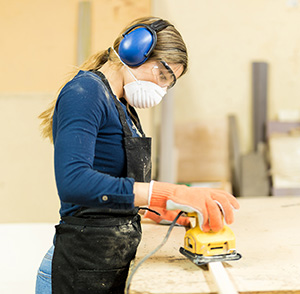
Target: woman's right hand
(210, 204)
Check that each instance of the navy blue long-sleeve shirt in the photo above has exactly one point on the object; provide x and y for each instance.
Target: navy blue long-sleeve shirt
(89, 157)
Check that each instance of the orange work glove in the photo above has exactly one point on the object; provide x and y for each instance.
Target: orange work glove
(210, 204)
(166, 216)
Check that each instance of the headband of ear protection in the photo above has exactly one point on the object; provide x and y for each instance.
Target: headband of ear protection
(139, 41)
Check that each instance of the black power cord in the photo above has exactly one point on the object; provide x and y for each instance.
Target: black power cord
(128, 282)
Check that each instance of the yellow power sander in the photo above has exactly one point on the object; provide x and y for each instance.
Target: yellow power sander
(201, 247)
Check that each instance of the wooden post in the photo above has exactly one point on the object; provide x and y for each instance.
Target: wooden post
(259, 99)
(167, 155)
(234, 156)
(84, 32)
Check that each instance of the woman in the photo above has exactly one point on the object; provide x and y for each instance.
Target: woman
(103, 166)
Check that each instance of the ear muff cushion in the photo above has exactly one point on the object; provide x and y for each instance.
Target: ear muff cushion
(135, 45)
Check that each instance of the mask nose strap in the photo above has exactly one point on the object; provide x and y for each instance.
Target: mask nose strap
(131, 73)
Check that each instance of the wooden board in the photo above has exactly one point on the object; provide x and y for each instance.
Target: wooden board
(285, 164)
(267, 235)
(255, 177)
(202, 149)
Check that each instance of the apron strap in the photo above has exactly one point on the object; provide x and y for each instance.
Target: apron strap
(132, 113)
(135, 118)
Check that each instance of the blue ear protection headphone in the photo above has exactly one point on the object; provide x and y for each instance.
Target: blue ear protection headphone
(139, 41)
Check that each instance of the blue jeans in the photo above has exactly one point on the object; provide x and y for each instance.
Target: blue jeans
(43, 280)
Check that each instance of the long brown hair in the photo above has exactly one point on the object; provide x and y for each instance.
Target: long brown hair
(170, 47)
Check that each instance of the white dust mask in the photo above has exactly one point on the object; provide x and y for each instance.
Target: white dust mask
(142, 94)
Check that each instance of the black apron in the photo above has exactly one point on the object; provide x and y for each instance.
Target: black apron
(94, 247)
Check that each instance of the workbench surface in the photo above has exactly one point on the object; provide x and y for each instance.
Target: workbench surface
(267, 231)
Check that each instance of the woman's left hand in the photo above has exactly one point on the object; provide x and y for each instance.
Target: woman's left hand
(166, 216)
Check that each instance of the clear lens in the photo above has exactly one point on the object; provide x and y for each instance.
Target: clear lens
(164, 75)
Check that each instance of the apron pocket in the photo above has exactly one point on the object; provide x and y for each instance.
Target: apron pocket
(100, 281)
(92, 256)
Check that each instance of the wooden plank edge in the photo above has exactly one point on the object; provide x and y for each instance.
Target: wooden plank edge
(221, 278)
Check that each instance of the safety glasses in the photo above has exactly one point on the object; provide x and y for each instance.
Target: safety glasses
(164, 75)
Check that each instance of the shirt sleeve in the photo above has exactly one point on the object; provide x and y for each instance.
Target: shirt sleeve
(81, 109)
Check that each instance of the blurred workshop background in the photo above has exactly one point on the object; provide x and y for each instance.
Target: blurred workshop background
(231, 122)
